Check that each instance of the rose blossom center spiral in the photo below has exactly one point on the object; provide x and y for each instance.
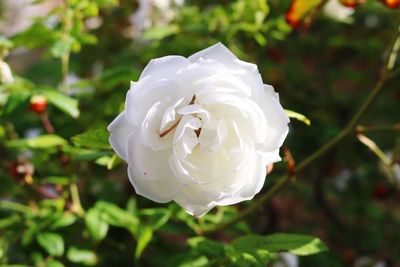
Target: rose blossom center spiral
(177, 121)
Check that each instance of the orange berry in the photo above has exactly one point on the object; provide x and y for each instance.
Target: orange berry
(38, 104)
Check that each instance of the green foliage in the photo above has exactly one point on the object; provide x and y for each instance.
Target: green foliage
(40, 142)
(301, 245)
(65, 103)
(82, 256)
(97, 139)
(251, 250)
(52, 243)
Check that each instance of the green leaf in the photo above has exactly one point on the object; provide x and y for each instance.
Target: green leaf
(114, 215)
(144, 237)
(52, 243)
(201, 261)
(297, 116)
(66, 104)
(97, 227)
(40, 142)
(94, 139)
(115, 161)
(207, 247)
(157, 217)
(83, 256)
(8, 221)
(84, 154)
(297, 244)
(15, 100)
(106, 3)
(58, 180)
(38, 35)
(117, 75)
(54, 263)
(65, 220)
(109, 161)
(158, 33)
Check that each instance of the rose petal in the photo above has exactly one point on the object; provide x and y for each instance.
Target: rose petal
(217, 52)
(277, 123)
(164, 67)
(153, 181)
(197, 210)
(161, 191)
(120, 129)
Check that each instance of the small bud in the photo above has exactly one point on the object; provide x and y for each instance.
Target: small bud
(38, 104)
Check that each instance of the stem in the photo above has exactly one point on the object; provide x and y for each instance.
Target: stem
(46, 123)
(384, 77)
(76, 201)
(67, 26)
(385, 127)
(64, 72)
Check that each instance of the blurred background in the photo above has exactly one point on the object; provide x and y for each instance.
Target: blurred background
(65, 68)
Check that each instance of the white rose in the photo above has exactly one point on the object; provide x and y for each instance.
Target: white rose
(199, 130)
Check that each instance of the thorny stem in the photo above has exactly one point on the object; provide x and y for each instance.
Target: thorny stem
(386, 75)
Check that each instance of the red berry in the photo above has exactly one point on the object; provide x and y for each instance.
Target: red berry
(38, 104)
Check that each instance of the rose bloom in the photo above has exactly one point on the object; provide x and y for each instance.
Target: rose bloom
(199, 130)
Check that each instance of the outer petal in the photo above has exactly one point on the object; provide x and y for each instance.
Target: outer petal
(277, 123)
(120, 129)
(256, 179)
(193, 209)
(271, 157)
(218, 52)
(164, 67)
(149, 171)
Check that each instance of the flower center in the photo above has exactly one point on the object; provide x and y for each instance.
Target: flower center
(173, 126)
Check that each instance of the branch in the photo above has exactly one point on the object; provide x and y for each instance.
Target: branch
(385, 75)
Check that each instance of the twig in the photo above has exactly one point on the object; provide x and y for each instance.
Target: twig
(46, 123)
(385, 127)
